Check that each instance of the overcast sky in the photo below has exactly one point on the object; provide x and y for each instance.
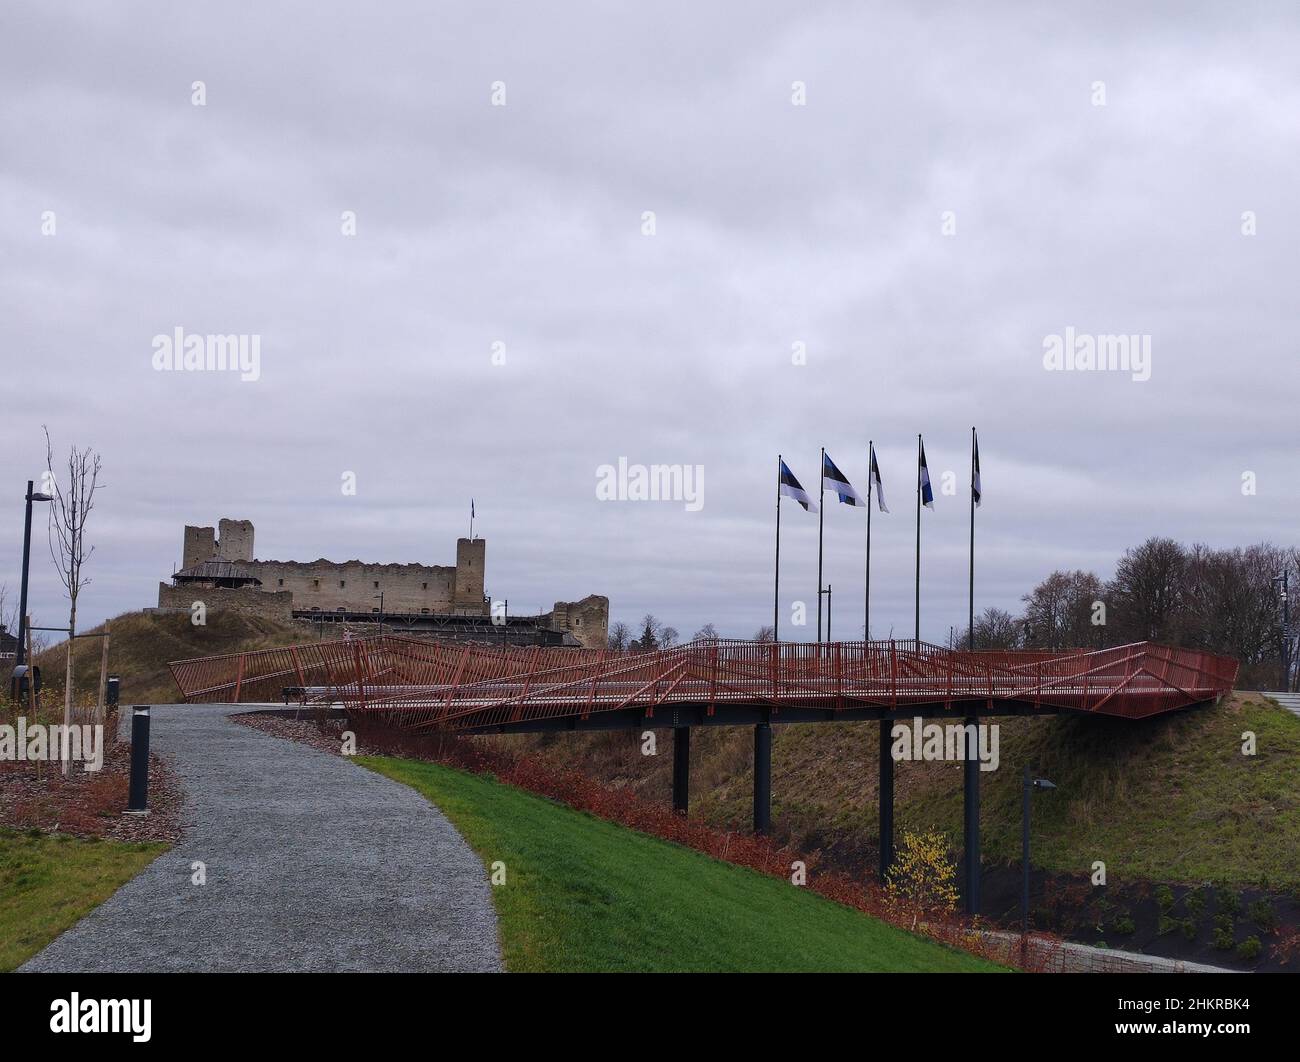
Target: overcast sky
(950, 187)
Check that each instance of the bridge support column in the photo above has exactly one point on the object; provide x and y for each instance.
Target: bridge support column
(971, 809)
(763, 778)
(681, 768)
(886, 800)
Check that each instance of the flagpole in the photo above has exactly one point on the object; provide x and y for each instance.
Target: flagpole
(776, 582)
(918, 538)
(821, 523)
(866, 610)
(970, 636)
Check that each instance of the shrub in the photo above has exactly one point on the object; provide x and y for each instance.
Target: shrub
(1223, 939)
(1261, 913)
(1123, 926)
(1188, 928)
(1249, 948)
(1164, 899)
(923, 877)
(1165, 924)
(1194, 901)
(1227, 901)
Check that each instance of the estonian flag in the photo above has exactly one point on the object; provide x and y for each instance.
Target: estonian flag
(927, 494)
(875, 479)
(792, 488)
(976, 492)
(834, 479)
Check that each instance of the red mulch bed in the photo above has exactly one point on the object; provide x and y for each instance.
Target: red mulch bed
(622, 806)
(89, 803)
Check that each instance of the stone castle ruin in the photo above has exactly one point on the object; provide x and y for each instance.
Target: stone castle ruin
(220, 569)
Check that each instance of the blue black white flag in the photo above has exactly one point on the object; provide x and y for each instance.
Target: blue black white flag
(976, 491)
(834, 479)
(792, 488)
(927, 493)
(875, 481)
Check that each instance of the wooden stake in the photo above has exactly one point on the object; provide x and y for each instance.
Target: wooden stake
(103, 677)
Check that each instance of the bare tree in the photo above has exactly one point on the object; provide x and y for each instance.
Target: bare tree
(619, 636)
(655, 635)
(1147, 591)
(707, 633)
(994, 629)
(764, 634)
(69, 511)
(1058, 611)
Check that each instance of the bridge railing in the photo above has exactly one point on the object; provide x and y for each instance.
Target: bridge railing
(421, 682)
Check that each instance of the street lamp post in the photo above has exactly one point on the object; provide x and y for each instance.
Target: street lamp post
(1029, 787)
(19, 656)
(1283, 581)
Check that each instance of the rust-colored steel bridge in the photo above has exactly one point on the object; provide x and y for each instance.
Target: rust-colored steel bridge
(420, 684)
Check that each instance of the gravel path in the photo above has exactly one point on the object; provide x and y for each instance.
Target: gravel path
(313, 863)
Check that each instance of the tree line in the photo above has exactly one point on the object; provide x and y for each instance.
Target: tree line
(1228, 601)
(656, 635)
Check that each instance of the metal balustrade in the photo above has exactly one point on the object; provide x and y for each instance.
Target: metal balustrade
(418, 683)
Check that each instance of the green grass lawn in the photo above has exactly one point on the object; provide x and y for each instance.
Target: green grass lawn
(49, 881)
(582, 894)
(1165, 799)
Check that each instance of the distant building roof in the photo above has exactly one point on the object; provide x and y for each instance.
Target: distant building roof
(217, 569)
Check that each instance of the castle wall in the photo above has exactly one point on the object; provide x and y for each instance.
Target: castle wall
(277, 606)
(356, 586)
(587, 620)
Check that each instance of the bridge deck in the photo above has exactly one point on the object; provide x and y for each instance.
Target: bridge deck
(417, 683)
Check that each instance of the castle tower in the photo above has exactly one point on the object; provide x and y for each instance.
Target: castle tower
(470, 556)
(200, 545)
(236, 540)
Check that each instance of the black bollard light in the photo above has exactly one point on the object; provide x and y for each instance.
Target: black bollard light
(137, 804)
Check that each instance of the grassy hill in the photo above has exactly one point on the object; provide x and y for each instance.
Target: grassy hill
(582, 894)
(142, 644)
(1167, 799)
